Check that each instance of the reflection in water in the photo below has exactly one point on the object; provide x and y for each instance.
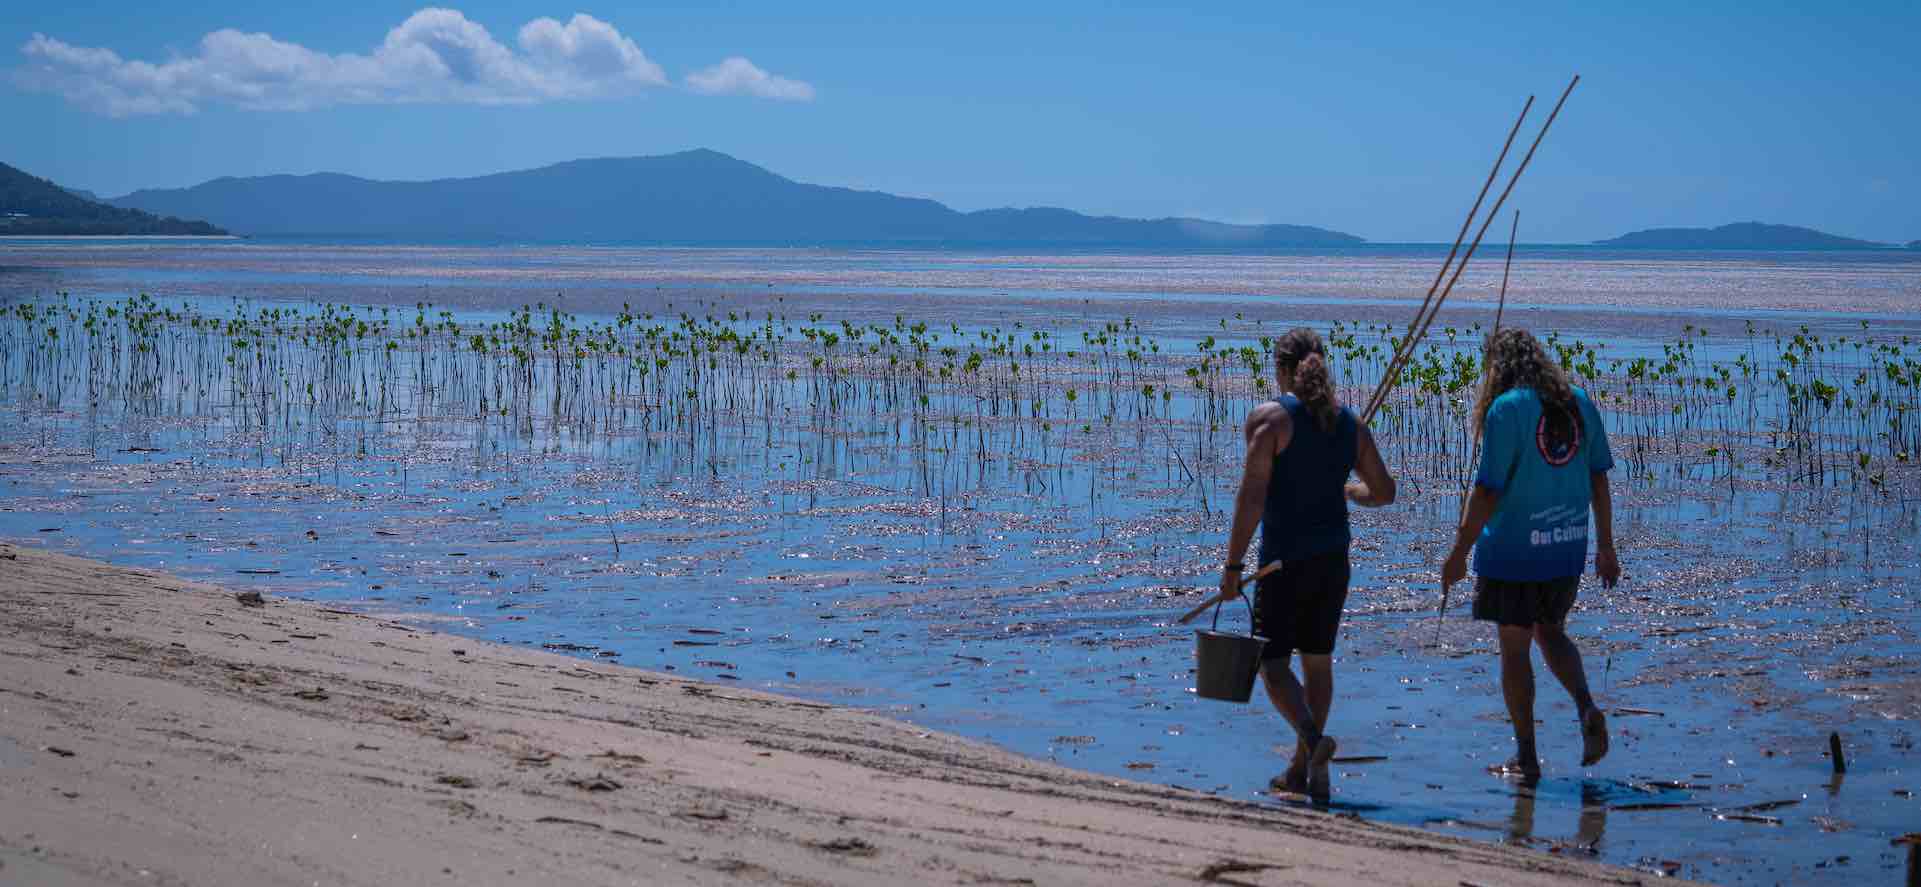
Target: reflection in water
(1589, 827)
(1594, 816)
(1520, 824)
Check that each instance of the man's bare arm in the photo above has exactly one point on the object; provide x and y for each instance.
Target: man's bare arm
(1269, 429)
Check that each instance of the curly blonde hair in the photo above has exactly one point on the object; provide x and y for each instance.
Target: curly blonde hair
(1515, 359)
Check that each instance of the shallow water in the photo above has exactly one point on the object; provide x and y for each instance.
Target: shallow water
(1028, 601)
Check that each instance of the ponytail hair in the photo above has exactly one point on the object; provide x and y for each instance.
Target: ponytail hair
(1301, 352)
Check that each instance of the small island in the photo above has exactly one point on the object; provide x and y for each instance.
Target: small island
(1914, 244)
(1740, 235)
(34, 207)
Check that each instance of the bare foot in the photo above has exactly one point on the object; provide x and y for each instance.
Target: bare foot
(1527, 769)
(1594, 737)
(1318, 780)
(1293, 781)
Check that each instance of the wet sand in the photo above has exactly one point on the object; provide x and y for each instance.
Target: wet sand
(158, 731)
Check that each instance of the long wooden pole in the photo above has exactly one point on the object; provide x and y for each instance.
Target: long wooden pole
(1470, 254)
(1474, 454)
(1487, 377)
(1415, 336)
(1501, 307)
(1511, 182)
(1399, 359)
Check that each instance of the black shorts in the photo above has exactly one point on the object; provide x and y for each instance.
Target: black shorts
(1299, 606)
(1524, 603)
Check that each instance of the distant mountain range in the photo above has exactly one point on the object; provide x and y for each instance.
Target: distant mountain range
(32, 206)
(1914, 244)
(691, 197)
(1740, 235)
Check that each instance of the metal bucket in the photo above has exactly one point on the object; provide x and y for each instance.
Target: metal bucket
(1225, 664)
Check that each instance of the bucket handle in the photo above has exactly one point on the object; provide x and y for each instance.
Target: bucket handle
(1217, 614)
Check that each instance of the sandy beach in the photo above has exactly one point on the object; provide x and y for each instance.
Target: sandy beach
(157, 731)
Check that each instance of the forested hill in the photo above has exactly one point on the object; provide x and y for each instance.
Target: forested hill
(32, 206)
(691, 197)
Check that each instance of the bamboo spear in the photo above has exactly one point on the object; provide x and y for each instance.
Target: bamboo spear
(1399, 359)
(1487, 376)
(1414, 337)
(1487, 380)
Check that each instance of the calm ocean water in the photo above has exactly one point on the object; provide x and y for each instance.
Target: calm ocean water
(1030, 606)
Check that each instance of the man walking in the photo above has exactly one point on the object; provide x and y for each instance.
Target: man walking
(1301, 449)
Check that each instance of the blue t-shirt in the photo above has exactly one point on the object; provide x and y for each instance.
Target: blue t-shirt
(1540, 529)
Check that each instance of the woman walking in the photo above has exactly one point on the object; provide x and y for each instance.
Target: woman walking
(1301, 448)
(1544, 464)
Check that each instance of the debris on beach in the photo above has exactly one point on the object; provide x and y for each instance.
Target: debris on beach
(596, 783)
(1655, 805)
(850, 845)
(1748, 817)
(1216, 872)
(1764, 806)
(619, 759)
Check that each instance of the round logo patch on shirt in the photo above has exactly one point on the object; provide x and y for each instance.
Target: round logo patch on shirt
(1557, 453)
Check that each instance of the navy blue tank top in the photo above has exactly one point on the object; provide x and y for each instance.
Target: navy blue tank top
(1306, 510)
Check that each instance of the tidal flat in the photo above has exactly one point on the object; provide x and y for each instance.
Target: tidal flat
(973, 491)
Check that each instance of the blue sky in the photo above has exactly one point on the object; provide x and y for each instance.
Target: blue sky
(1379, 121)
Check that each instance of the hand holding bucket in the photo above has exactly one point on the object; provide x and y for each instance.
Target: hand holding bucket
(1226, 664)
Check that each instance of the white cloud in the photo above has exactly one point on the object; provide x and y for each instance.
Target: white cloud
(436, 55)
(738, 76)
